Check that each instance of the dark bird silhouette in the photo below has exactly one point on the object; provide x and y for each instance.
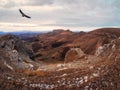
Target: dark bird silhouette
(24, 15)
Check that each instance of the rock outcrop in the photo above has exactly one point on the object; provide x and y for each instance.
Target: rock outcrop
(107, 49)
(14, 53)
(74, 54)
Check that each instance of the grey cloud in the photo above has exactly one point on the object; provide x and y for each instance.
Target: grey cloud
(116, 4)
(8, 15)
(7, 3)
(13, 3)
(73, 12)
(67, 4)
(39, 2)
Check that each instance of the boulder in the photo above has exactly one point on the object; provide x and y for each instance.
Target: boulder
(74, 54)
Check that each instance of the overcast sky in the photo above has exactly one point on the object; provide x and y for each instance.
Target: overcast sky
(53, 14)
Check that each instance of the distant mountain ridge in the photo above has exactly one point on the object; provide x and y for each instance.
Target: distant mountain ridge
(59, 41)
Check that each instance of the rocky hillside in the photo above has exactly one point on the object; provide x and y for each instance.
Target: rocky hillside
(14, 53)
(92, 40)
(65, 61)
(54, 45)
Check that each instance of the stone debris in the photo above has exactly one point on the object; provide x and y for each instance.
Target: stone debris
(10, 67)
(95, 74)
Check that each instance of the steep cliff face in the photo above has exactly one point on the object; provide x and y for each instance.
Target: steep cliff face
(13, 53)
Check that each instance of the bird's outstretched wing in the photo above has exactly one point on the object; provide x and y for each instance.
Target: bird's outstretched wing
(24, 15)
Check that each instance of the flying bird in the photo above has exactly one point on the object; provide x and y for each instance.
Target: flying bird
(24, 15)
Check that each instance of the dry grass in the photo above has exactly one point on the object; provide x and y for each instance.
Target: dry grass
(36, 73)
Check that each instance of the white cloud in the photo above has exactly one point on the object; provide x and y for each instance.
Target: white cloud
(52, 14)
